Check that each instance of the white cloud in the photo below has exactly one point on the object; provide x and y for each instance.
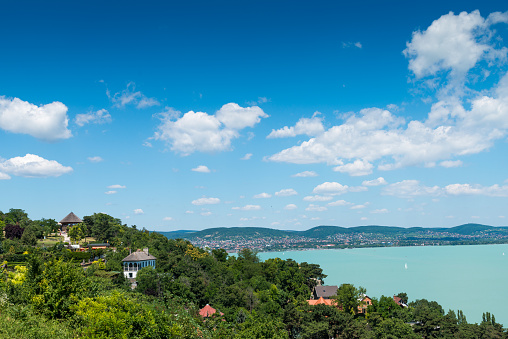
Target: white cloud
(46, 122)
(356, 168)
(310, 127)
(248, 208)
(32, 166)
(286, 192)
(247, 156)
(201, 169)
(110, 192)
(167, 219)
(95, 159)
(330, 188)
(316, 208)
(364, 218)
(206, 214)
(461, 122)
(189, 212)
(290, 207)
(206, 201)
(138, 211)
(339, 203)
(129, 96)
(235, 117)
(101, 116)
(305, 174)
(452, 42)
(467, 189)
(352, 44)
(376, 182)
(199, 131)
(314, 198)
(357, 207)
(116, 186)
(409, 189)
(4, 176)
(379, 211)
(261, 100)
(262, 196)
(450, 163)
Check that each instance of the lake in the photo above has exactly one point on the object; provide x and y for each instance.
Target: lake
(470, 278)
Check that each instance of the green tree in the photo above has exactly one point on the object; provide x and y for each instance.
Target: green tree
(349, 297)
(102, 226)
(28, 238)
(76, 233)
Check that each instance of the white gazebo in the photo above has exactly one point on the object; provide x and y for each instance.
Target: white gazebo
(136, 261)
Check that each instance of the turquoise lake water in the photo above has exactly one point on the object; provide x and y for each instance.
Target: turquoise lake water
(470, 278)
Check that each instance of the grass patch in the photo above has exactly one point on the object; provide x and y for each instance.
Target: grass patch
(50, 241)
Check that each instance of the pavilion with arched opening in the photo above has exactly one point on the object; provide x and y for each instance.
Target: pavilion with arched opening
(136, 261)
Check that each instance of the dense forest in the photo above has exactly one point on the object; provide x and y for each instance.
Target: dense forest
(50, 291)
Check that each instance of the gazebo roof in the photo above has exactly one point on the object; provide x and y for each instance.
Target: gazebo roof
(139, 256)
(208, 311)
(71, 218)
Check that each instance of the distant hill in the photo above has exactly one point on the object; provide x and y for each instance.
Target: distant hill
(322, 232)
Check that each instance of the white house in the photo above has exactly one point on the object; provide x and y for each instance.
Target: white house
(136, 261)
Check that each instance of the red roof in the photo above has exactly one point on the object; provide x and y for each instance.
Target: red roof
(208, 311)
(320, 301)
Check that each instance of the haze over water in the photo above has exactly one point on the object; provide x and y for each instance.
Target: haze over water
(469, 278)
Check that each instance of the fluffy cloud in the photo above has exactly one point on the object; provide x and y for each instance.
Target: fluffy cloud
(236, 118)
(46, 122)
(305, 174)
(286, 192)
(33, 166)
(139, 211)
(376, 182)
(199, 131)
(116, 186)
(413, 188)
(290, 207)
(462, 122)
(330, 188)
(4, 176)
(453, 42)
(206, 201)
(493, 191)
(247, 156)
(130, 96)
(167, 219)
(357, 168)
(201, 169)
(450, 163)
(248, 208)
(358, 207)
(410, 189)
(310, 127)
(110, 192)
(339, 203)
(262, 196)
(101, 116)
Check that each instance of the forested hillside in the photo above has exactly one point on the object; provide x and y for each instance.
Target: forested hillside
(46, 291)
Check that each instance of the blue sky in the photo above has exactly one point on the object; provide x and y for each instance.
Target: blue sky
(283, 114)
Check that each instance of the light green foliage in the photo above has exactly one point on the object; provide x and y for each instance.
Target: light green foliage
(349, 297)
(119, 316)
(76, 233)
